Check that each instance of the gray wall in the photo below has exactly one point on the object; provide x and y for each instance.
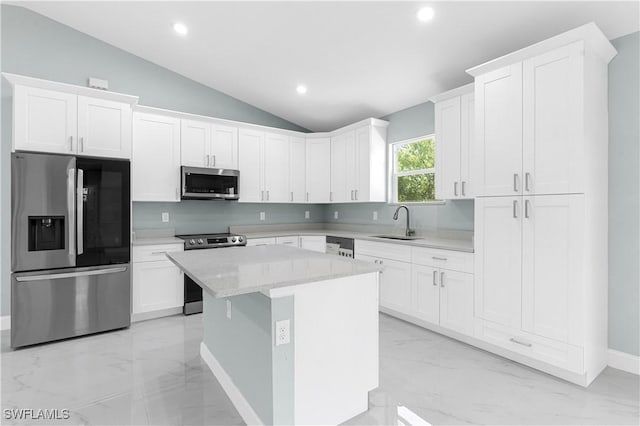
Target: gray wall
(624, 195)
(34, 45)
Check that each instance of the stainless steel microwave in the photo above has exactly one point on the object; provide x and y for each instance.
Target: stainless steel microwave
(200, 183)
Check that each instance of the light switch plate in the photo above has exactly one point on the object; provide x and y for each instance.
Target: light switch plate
(335, 215)
(282, 332)
(263, 216)
(375, 215)
(307, 215)
(165, 217)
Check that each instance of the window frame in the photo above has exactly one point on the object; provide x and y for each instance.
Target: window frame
(393, 175)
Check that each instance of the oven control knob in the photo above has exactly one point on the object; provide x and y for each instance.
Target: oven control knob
(200, 241)
(240, 239)
(192, 242)
(233, 239)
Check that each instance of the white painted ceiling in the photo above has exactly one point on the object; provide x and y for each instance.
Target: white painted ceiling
(358, 59)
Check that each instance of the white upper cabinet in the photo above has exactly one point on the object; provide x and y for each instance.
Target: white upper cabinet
(44, 120)
(553, 102)
(276, 168)
(297, 169)
(58, 122)
(224, 147)
(250, 146)
(209, 145)
(343, 167)
(155, 162)
(454, 138)
(195, 144)
(318, 168)
(104, 128)
(499, 132)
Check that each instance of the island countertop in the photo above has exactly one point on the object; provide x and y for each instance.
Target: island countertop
(240, 270)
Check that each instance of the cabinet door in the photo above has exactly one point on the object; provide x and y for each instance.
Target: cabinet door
(363, 158)
(552, 266)
(297, 167)
(224, 147)
(291, 241)
(467, 144)
(395, 286)
(44, 120)
(250, 145)
(343, 167)
(155, 161)
(195, 143)
(552, 113)
(276, 168)
(157, 285)
(104, 128)
(456, 301)
(318, 170)
(448, 125)
(498, 267)
(499, 131)
(426, 293)
(261, 241)
(314, 243)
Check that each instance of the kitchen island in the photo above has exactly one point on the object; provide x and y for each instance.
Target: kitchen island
(291, 334)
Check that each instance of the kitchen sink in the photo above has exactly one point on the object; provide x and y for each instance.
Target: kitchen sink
(397, 237)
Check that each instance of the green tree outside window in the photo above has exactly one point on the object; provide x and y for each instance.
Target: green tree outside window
(414, 171)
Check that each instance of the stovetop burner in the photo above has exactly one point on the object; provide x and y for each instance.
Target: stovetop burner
(201, 241)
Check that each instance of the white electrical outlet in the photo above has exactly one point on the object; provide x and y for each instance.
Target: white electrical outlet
(263, 216)
(375, 215)
(307, 215)
(165, 217)
(228, 308)
(282, 332)
(335, 214)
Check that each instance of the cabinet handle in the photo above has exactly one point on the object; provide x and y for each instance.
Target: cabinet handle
(71, 143)
(81, 144)
(291, 195)
(441, 279)
(439, 258)
(206, 159)
(527, 176)
(435, 276)
(214, 160)
(515, 209)
(381, 262)
(156, 253)
(261, 195)
(356, 194)
(463, 191)
(267, 190)
(307, 198)
(515, 182)
(330, 195)
(352, 195)
(526, 209)
(455, 189)
(514, 340)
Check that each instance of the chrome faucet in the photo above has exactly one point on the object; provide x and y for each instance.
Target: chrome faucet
(408, 231)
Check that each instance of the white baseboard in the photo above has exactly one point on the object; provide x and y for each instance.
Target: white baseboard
(242, 405)
(5, 322)
(623, 361)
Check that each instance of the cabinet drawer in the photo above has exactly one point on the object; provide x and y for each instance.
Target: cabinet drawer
(550, 351)
(383, 250)
(292, 241)
(445, 259)
(155, 252)
(261, 241)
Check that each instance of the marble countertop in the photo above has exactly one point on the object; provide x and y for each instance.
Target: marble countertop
(456, 244)
(241, 270)
(152, 241)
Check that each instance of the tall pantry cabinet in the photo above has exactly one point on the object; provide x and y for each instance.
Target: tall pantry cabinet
(540, 178)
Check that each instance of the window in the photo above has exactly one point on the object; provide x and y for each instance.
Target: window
(413, 170)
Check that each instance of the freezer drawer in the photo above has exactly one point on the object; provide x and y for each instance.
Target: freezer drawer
(52, 305)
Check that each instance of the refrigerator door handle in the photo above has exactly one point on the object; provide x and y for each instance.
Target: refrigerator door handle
(70, 274)
(80, 206)
(71, 209)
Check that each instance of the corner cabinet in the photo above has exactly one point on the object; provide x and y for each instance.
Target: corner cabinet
(60, 122)
(155, 162)
(540, 212)
(454, 127)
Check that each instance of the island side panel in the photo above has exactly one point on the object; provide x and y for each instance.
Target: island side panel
(283, 356)
(242, 346)
(336, 348)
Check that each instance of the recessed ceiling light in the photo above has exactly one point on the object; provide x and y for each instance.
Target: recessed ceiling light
(301, 89)
(425, 14)
(180, 28)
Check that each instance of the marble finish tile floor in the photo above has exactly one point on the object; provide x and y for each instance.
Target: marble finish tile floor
(152, 374)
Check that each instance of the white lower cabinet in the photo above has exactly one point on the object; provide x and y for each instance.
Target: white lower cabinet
(157, 283)
(395, 283)
(291, 241)
(314, 243)
(261, 241)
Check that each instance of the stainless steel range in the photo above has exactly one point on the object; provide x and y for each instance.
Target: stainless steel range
(192, 291)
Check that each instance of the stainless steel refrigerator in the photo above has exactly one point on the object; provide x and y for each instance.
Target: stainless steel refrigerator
(70, 253)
